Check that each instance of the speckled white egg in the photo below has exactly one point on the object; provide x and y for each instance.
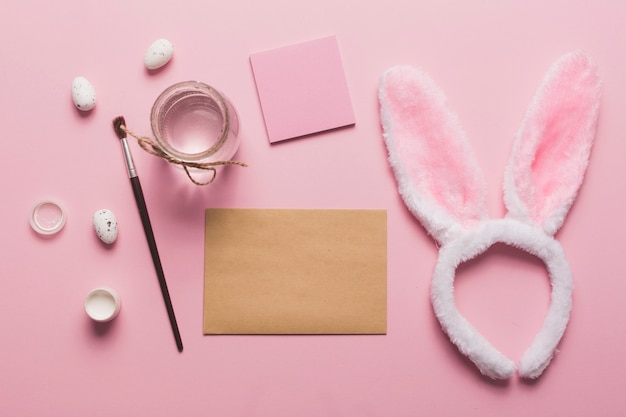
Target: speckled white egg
(83, 94)
(158, 54)
(105, 225)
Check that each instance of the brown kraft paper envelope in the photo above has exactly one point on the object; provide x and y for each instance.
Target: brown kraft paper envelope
(280, 271)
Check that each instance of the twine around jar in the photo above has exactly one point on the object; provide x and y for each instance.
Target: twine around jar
(153, 148)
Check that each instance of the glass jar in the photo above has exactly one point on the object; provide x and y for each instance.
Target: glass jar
(195, 123)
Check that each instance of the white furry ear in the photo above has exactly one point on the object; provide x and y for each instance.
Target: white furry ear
(438, 178)
(552, 147)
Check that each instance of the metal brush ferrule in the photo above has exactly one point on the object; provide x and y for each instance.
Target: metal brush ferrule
(128, 157)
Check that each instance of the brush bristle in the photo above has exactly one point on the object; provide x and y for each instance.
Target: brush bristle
(118, 122)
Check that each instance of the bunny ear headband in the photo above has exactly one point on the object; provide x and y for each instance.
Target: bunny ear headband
(441, 184)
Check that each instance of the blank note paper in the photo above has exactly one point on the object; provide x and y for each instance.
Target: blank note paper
(295, 271)
(302, 89)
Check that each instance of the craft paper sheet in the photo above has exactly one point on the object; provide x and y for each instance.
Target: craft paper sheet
(279, 271)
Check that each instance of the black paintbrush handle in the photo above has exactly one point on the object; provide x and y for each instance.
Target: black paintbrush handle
(147, 227)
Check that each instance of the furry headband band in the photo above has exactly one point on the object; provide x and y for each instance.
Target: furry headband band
(441, 184)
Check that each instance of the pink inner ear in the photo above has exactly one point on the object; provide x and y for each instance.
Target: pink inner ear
(432, 147)
(556, 137)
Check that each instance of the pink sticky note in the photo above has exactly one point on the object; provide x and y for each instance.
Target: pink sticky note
(302, 89)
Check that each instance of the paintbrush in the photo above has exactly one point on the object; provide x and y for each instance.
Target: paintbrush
(119, 124)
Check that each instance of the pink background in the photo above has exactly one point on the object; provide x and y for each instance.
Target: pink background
(489, 57)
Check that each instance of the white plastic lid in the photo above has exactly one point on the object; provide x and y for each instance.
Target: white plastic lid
(47, 217)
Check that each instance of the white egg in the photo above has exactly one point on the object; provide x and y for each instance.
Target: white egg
(83, 94)
(105, 224)
(158, 54)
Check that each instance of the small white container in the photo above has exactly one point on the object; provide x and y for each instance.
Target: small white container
(47, 217)
(102, 304)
